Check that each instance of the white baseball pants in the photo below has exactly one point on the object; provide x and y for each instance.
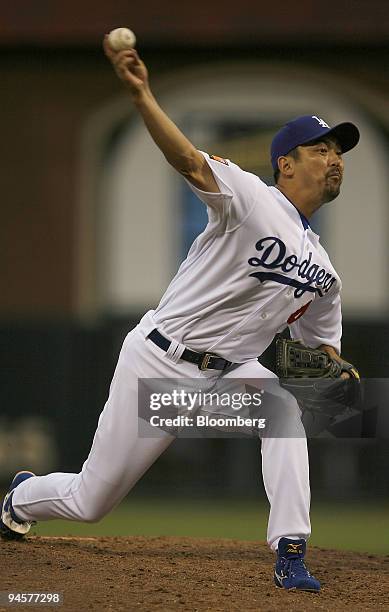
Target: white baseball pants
(118, 457)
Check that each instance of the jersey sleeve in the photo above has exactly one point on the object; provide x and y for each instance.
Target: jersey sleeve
(321, 323)
(238, 191)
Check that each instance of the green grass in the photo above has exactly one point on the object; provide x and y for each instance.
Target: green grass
(358, 527)
(355, 527)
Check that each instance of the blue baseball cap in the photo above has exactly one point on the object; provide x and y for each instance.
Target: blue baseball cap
(309, 127)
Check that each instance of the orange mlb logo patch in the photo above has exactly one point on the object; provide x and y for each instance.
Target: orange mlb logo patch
(219, 159)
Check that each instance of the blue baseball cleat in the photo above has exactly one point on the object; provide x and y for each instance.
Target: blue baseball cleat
(12, 528)
(290, 571)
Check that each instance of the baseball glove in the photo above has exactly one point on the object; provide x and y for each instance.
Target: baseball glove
(314, 378)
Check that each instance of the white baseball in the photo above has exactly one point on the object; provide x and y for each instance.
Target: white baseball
(121, 38)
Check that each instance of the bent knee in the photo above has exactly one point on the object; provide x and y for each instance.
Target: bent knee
(92, 515)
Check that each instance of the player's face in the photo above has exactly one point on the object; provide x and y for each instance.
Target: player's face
(319, 168)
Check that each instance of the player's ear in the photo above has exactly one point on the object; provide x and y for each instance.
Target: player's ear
(286, 165)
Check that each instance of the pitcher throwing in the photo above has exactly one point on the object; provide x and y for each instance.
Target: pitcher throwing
(257, 268)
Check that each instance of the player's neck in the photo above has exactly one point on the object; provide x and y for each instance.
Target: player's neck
(304, 202)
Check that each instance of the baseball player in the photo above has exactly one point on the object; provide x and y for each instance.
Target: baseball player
(256, 269)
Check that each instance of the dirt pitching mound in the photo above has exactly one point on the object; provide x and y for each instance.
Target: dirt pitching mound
(137, 573)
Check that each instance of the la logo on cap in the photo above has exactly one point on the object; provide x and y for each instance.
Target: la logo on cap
(321, 121)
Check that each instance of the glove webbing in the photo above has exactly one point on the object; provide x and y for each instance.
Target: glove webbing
(294, 359)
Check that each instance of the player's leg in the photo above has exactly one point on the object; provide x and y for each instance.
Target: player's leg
(118, 457)
(286, 479)
(285, 466)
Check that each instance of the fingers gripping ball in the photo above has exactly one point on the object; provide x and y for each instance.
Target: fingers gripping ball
(121, 38)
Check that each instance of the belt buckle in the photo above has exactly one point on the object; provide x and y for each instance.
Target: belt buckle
(206, 358)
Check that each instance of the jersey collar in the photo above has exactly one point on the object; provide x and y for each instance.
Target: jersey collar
(303, 219)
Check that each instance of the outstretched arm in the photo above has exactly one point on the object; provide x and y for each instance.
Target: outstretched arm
(178, 150)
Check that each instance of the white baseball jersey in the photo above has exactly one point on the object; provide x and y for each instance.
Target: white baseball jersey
(254, 270)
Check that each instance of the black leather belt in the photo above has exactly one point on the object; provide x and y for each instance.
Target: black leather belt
(204, 361)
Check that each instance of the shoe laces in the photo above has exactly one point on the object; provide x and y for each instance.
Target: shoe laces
(296, 567)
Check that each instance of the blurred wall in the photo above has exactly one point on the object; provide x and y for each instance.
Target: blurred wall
(221, 22)
(49, 97)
